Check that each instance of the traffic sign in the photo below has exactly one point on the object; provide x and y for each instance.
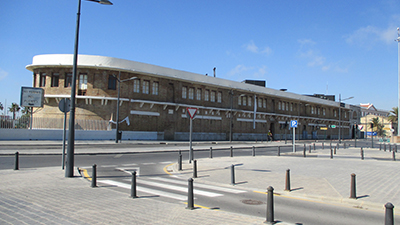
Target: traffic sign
(333, 126)
(192, 112)
(64, 105)
(293, 123)
(323, 128)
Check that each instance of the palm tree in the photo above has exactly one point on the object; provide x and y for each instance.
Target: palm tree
(378, 127)
(26, 112)
(1, 106)
(14, 109)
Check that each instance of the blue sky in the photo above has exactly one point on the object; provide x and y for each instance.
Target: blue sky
(327, 47)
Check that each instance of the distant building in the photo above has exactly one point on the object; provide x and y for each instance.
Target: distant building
(368, 112)
(322, 96)
(156, 98)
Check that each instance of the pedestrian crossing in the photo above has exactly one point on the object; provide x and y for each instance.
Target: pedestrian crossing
(173, 187)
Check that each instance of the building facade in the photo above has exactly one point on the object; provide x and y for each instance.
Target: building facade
(155, 99)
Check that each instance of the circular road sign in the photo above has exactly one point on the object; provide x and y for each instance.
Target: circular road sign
(64, 105)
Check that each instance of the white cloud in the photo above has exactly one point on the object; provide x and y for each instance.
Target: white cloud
(3, 74)
(261, 72)
(238, 70)
(252, 47)
(369, 35)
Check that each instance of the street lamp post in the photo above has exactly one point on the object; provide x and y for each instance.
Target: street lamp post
(119, 90)
(340, 109)
(69, 171)
(398, 71)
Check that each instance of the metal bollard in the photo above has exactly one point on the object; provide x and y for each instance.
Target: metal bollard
(310, 149)
(389, 219)
(180, 162)
(390, 147)
(279, 150)
(304, 153)
(331, 153)
(94, 176)
(334, 152)
(322, 145)
(254, 151)
(133, 185)
(16, 164)
(270, 206)
(314, 147)
(384, 147)
(211, 154)
(380, 147)
(362, 154)
(194, 168)
(190, 204)
(353, 186)
(394, 155)
(287, 183)
(231, 151)
(233, 174)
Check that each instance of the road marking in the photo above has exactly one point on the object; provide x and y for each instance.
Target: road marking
(145, 190)
(117, 156)
(167, 162)
(175, 181)
(131, 164)
(130, 170)
(149, 163)
(106, 166)
(178, 188)
(165, 169)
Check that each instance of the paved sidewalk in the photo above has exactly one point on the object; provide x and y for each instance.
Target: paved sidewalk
(45, 196)
(316, 177)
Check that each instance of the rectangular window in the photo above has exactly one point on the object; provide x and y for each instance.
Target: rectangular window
(283, 106)
(146, 86)
(280, 105)
(212, 97)
(323, 111)
(206, 95)
(259, 102)
(68, 80)
(112, 82)
(250, 100)
(184, 92)
(219, 97)
(136, 86)
(287, 106)
(83, 82)
(198, 94)
(42, 81)
(54, 79)
(155, 88)
(244, 100)
(191, 93)
(334, 113)
(264, 103)
(291, 107)
(240, 100)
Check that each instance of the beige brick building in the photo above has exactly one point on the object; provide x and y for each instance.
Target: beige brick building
(156, 98)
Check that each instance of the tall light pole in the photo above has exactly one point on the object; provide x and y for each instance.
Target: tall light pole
(340, 118)
(119, 89)
(69, 170)
(398, 71)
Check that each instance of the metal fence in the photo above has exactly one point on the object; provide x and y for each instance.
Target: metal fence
(53, 123)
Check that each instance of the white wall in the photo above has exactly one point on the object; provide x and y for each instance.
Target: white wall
(44, 134)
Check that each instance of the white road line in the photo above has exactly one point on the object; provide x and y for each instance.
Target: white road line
(216, 188)
(178, 188)
(145, 190)
(132, 164)
(130, 170)
(108, 166)
(167, 162)
(150, 163)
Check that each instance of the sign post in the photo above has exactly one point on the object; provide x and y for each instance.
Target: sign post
(64, 106)
(293, 124)
(192, 113)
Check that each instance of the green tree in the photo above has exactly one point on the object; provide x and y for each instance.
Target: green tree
(393, 118)
(378, 127)
(14, 109)
(26, 112)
